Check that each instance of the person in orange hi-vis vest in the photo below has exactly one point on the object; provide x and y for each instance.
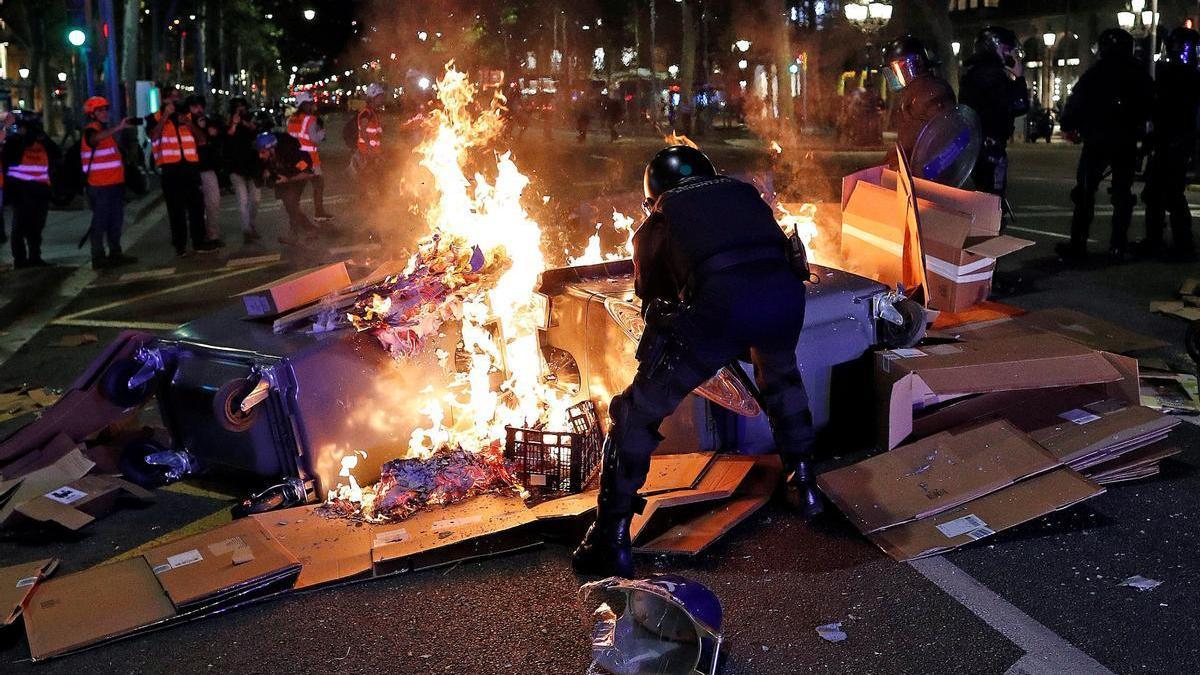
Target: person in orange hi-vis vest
(306, 127)
(206, 133)
(175, 154)
(367, 162)
(28, 155)
(104, 169)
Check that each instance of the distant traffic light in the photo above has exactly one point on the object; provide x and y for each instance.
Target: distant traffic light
(77, 37)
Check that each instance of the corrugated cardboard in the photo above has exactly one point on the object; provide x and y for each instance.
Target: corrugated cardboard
(675, 472)
(16, 585)
(97, 604)
(720, 481)
(987, 515)
(329, 549)
(485, 525)
(67, 470)
(80, 502)
(911, 380)
(960, 236)
(294, 290)
(1100, 432)
(934, 474)
(1074, 325)
(206, 567)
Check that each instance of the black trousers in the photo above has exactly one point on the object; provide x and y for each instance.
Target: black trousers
(185, 204)
(30, 203)
(1097, 156)
(757, 312)
(991, 169)
(1166, 184)
(290, 193)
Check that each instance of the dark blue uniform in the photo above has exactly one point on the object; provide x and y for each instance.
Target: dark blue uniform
(713, 244)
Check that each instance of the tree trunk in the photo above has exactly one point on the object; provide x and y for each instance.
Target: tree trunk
(783, 60)
(129, 53)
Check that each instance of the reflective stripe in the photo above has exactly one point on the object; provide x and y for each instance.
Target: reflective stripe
(96, 166)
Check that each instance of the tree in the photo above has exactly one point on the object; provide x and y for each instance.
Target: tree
(39, 28)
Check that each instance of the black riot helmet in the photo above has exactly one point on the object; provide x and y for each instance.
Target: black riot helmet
(671, 166)
(995, 39)
(1183, 46)
(1115, 43)
(904, 59)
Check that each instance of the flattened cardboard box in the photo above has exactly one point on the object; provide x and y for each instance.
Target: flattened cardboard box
(16, 585)
(910, 380)
(17, 491)
(934, 474)
(102, 603)
(329, 549)
(208, 566)
(720, 481)
(297, 289)
(1072, 324)
(80, 502)
(987, 515)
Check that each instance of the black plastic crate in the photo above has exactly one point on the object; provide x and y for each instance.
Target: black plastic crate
(557, 461)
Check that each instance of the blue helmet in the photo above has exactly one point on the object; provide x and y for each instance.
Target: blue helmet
(265, 141)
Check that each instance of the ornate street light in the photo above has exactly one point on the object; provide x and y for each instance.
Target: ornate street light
(868, 15)
(1137, 19)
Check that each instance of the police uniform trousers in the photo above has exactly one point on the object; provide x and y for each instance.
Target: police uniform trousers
(1166, 183)
(31, 204)
(755, 309)
(1098, 156)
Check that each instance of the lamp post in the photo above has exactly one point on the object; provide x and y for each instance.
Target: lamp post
(868, 15)
(1048, 39)
(1142, 22)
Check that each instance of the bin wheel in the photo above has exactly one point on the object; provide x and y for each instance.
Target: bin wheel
(134, 466)
(909, 333)
(227, 408)
(114, 384)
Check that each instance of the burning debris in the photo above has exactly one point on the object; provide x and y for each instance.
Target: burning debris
(408, 485)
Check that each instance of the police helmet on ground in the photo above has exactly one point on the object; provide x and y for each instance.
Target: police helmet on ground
(993, 38)
(672, 165)
(1183, 46)
(904, 59)
(1115, 43)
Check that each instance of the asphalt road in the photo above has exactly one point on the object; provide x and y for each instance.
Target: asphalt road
(1040, 598)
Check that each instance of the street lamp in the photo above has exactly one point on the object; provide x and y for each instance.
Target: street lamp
(77, 37)
(62, 77)
(673, 70)
(309, 14)
(1048, 39)
(742, 46)
(1137, 19)
(23, 72)
(956, 47)
(868, 15)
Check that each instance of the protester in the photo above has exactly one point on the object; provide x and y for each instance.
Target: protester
(993, 85)
(174, 149)
(1108, 110)
(367, 160)
(923, 94)
(28, 155)
(242, 163)
(289, 169)
(306, 127)
(1172, 145)
(104, 168)
(207, 132)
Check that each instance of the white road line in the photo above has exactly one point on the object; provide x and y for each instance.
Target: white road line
(1045, 651)
(1044, 233)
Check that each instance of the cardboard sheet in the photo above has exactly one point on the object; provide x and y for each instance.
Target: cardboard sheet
(485, 525)
(1086, 436)
(294, 290)
(693, 536)
(67, 470)
(933, 475)
(570, 506)
(1089, 330)
(983, 517)
(80, 502)
(911, 380)
(675, 472)
(206, 567)
(78, 610)
(16, 585)
(720, 481)
(328, 549)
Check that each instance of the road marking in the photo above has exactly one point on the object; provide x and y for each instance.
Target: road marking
(253, 260)
(1045, 651)
(195, 527)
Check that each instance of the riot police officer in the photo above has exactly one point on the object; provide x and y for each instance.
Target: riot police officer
(1172, 145)
(1108, 110)
(923, 94)
(993, 85)
(716, 278)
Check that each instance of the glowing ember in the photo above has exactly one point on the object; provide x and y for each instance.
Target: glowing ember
(776, 148)
(679, 139)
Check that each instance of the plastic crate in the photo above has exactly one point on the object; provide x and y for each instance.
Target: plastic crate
(558, 462)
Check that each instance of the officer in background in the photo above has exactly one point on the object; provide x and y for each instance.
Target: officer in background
(1108, 110)
(716, 280)
(28, 155)
(923, 94)
(993, 85)
(1172, 146)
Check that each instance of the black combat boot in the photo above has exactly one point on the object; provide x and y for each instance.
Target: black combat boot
(606, 549)
(802, 493)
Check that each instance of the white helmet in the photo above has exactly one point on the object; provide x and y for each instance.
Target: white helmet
(374, 90)
(304, 97)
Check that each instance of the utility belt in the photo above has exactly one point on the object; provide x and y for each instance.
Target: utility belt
(795, 255)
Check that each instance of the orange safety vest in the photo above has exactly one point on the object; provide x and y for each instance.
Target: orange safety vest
(34, 166)
(301, 128)
(175, 145)
(102, 164)
(370, 133)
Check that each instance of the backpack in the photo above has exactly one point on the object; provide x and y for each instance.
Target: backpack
(350, 132)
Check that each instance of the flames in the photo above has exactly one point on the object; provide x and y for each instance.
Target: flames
(679, 139)
(592, 254)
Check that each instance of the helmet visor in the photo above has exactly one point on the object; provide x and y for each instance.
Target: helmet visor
(903, 70)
